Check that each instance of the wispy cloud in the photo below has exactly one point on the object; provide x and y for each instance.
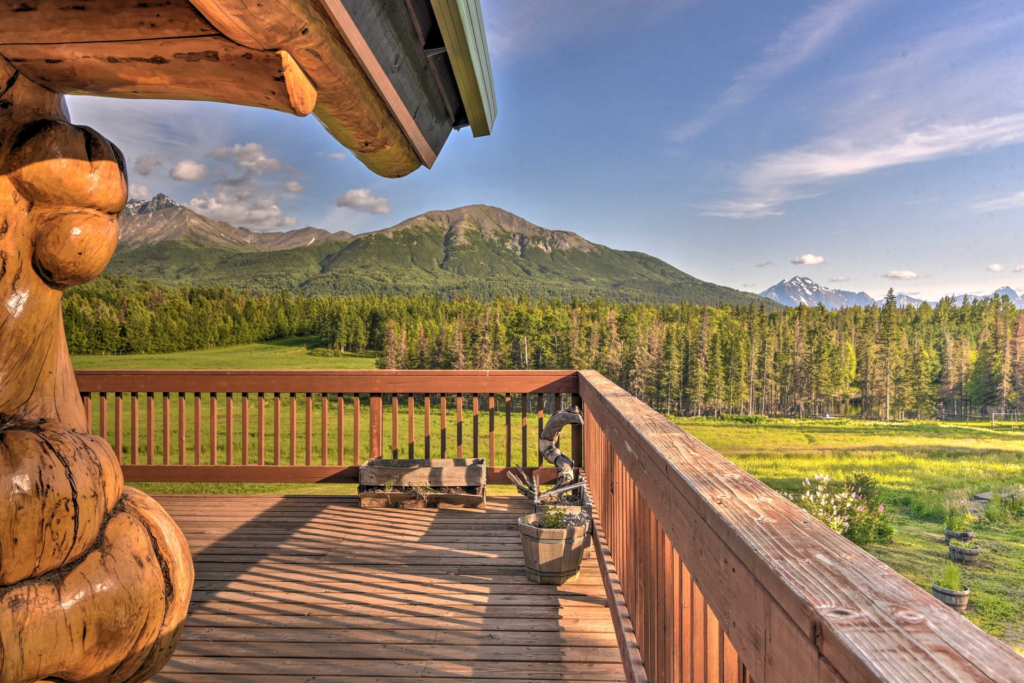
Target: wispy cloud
(1019, 269)
(841, 278)
(798, 43)
(188, 171)
(783, 177)
(765, 264)
(1014, 201)
(901, 275)
(809, 260)
(995, 268)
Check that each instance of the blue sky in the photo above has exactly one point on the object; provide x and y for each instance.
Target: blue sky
(862, 143)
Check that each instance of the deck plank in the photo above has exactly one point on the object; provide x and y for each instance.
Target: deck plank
(290, 588)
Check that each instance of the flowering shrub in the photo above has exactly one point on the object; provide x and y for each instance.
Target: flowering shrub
(852, 508)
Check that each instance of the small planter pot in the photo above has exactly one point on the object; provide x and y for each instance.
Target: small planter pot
(552, 556)
(964, 555)
(588, 544)
(955, 599)
(965, 536)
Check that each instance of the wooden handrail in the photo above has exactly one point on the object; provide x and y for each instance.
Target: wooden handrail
(220, 407)
(726, 579)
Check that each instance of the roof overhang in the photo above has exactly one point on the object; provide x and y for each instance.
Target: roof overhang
(389, 79)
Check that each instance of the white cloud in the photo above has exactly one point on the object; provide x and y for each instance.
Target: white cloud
(138, 191)
(146, 164)
(801, 41)
(1014, 201)
(187, 170)
(249, 158)
(995, 268)
(244, 206)
(337, 155)
(765, 264)
(294, 186)
(809, 260)
(901, 275)
(362, 200)
(841, 278)
(782, 177)
(1019, 269)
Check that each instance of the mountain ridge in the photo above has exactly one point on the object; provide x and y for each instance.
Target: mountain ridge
(475, 251)
(803, 290)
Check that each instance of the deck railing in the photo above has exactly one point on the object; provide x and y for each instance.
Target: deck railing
(713, 576)
(318, 426)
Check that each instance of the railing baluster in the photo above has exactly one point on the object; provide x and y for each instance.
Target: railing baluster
(103, 415)
(229, 428)
(87, 403)
(292, 428)
(376, 426)
(576, 432)
(277, 428)
(245, 428)
(181, 428)
(261, 428)
(394, 425)
(324, 410)
(341, 430)
(458, 425)
(309, 429)
(476, 425)
(167, 427)
(134, 426)
(356, 455)
(197, 410)
(524, 428)
(508, 430)
(490, 429)
(444, 425)
(412, 425)
(540, 426)
(214, 426)
(426, 426)
(150, 427)
(118, 438)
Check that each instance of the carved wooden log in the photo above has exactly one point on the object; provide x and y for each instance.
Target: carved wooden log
(95, 579)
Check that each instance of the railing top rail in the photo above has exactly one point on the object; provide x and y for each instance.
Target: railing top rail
(798, 601)
(330, 381)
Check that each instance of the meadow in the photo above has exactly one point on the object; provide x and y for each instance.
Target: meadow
(918, 465)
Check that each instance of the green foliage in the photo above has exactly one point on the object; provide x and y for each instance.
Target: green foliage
(957, 518)
(950, 578)
(555, 518)
(964, 545)
(852, 507)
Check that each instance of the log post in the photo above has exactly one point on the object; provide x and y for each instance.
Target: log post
(95, 578)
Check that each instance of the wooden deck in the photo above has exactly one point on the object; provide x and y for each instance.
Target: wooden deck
(310, 588)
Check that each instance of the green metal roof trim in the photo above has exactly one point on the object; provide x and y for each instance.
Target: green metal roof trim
(462, 27)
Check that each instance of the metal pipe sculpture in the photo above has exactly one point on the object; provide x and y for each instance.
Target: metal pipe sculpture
(548, 446)
(95, 578)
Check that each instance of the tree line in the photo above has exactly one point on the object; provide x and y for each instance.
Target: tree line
(879, 361)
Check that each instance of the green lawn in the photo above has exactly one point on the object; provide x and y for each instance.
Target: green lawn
(280, 354)
(917, 465)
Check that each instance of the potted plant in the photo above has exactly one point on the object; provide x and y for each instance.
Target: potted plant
(967, 552)
(958, 522)
(553, 545)
(949, 589)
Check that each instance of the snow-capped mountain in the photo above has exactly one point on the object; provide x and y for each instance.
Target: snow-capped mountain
(803, 290)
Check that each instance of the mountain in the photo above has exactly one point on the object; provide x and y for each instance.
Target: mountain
(904, 300)
(473, 251)
(161, 219)
(802, 290)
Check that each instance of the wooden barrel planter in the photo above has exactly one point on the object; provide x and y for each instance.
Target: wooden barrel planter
(552, 556)
(965, 536)
(964, 555)
(586, 504)
(955, 599)
(423, 483)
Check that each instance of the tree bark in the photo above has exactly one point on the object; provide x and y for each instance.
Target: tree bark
(95, 579)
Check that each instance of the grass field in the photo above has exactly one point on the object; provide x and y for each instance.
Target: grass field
(917, 465)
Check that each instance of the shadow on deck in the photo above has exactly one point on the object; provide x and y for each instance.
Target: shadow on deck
(305, 588)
